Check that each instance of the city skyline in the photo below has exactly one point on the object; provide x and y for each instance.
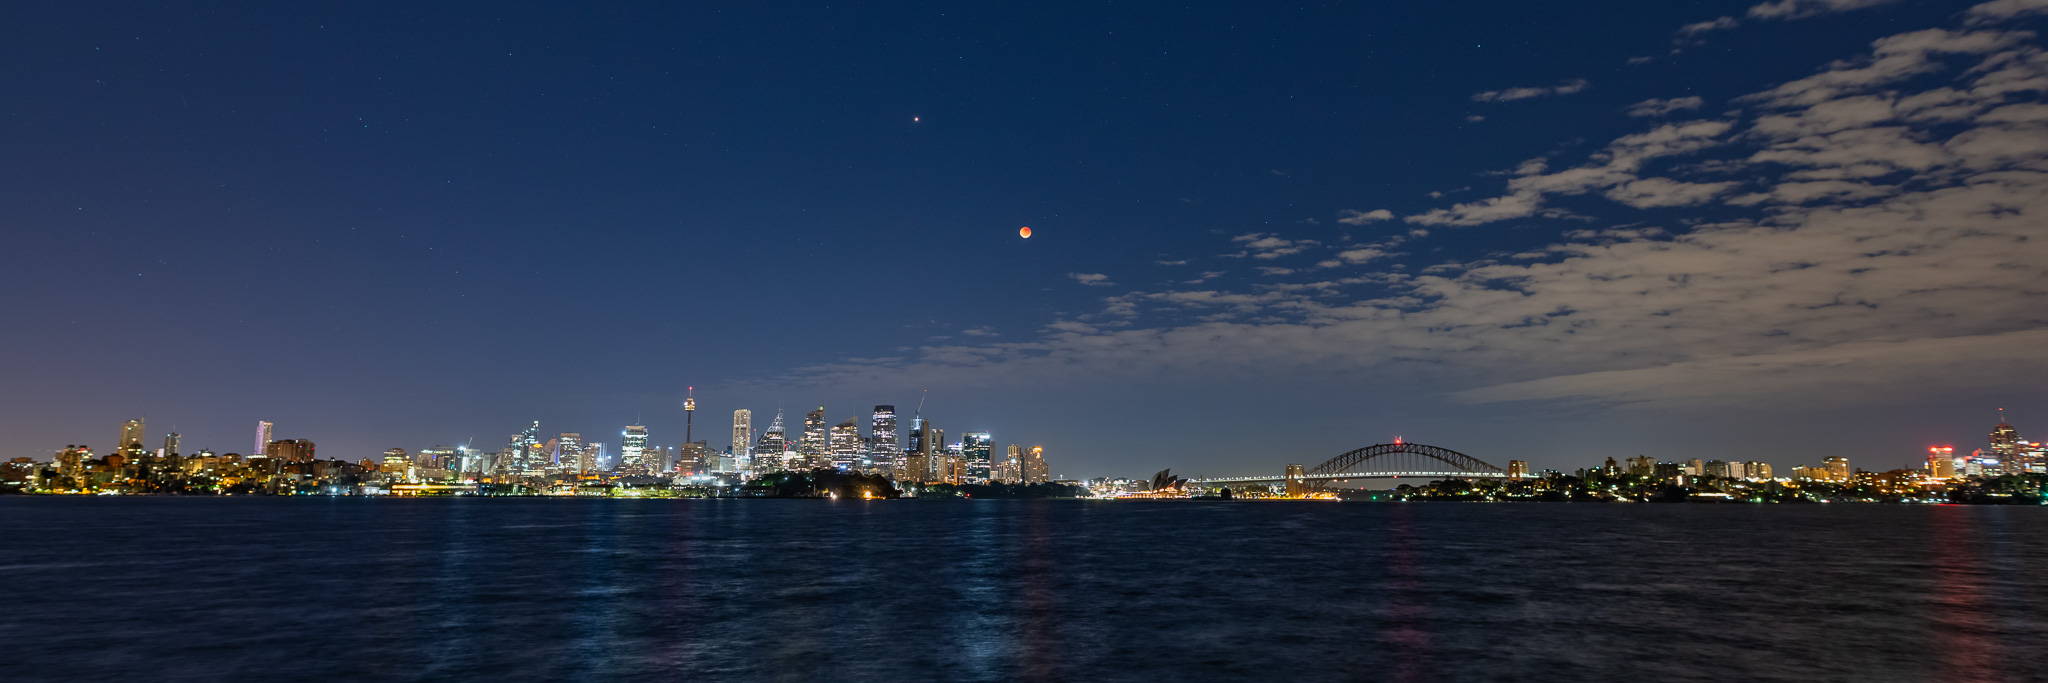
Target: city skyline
(1563, 233)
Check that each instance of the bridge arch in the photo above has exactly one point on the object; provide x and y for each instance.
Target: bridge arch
(1402, 457)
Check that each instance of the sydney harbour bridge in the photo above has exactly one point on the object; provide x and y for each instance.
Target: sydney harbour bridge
(1399, 459)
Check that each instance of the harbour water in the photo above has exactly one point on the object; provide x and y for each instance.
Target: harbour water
(541, 589)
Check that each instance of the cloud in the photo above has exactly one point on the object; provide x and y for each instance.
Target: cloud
(1656, 192)
(1091, 279)
(1875, 224)
(1275, 270)
(1657, 107)
(1356, 217)
(2001, 10)
(1172, 262)
(1715, 24)
(1800, 9)
(1567, 87)
(1266, 246)
(982, 331)
(1474, 118)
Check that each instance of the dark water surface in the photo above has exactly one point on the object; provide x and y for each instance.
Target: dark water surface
(528, 589)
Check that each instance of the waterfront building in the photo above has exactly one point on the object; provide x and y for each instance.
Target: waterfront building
(812, 443)
(1641, 466)
(132, 435)
(693, 458)
(1520, 468)
(397, 466)
(977, 449)
(844, 444)
(1736, 470)
(1695, 467)
(1297, 487)
(1035, 469)
(437, 457)
(1758, 470)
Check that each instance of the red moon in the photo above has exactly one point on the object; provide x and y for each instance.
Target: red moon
(1024, 232)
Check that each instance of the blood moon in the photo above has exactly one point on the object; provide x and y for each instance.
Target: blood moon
(1024, 232)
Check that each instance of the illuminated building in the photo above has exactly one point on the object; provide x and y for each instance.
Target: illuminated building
(1941, 461)
(289, 450)
(633, 450)
(743, 436)
(438, 457)
(811, 444)
(844, 444)
(768, 455)
(1641, 466)
(2003, 445)
(1035, 470)
(1837, 467)
(1758, 470)
(1736, 470)
(1520, 468)
(131, 435)
(571, 457)
(1012, 468)
(952, 466)
(171, 444)
(1695, 467)
(693, 458)
(884, 452)
(262, 438)
(396, 466)
(976, 448)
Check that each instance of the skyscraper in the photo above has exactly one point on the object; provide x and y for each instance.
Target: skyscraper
(1035, 469)
(262, 438)
(768, 456)
(569, 453)
(131, 435)
(171, 444)
(2003, 444)
(812, 444)
(633, 450)
(977, 448)
(845, 444)
(883, 450)
(743, 436)
(1011, 470)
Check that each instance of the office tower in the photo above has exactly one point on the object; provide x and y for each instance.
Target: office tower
(845, 445)
(1941, 461)
(884, 453)
(527, 456)
(1035, 469)
(262, 438)
(289, 450)
(689, 414)
(978, 450)
(131, 435)
(170, 444)
(742, 436)
(812, 445)
(569, 453)
(768, 455)
(633, 450)
(1641, 466)
(1012, 469)
(437, 457)
(1837, 467)
(396, 465)
(693, 458)
(2003, 444)
(1520, 468)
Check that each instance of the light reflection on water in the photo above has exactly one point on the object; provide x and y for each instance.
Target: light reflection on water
(189, 588)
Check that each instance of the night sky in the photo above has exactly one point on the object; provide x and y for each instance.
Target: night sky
(1264, 234)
